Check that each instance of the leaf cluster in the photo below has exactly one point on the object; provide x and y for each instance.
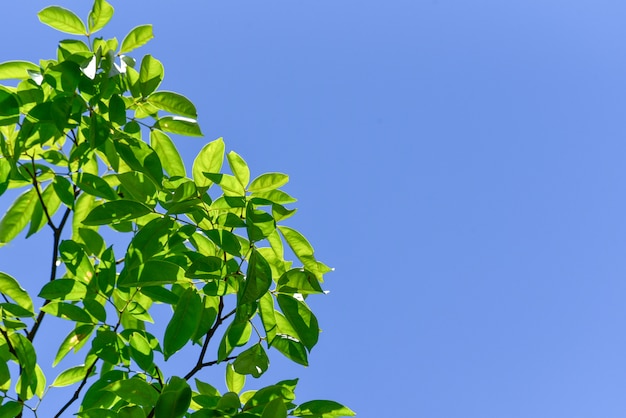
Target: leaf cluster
(86, 136)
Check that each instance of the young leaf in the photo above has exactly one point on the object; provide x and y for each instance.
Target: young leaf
(209, 160)
(100, 14)
(184, 322)
(62, 20)
(18, 216)
(268, 181)
(173, 103)
(16, 70)
(168, 153)
(239, 168)
(70, 376)
(10, 287)
(150, 75)
(234, 380)
(137, 37)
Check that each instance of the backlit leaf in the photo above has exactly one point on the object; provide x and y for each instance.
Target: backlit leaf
(18, 216)
(137, 37)
(209, 160)
(322, 409)
(184, 322)
(167, 152)
(116, 211)
(10, 287)
(268, 181)
(62, 20)
(180, 125)
(100, 14)
(173, 103)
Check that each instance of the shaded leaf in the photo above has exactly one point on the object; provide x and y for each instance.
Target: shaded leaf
(180, 125)
(174, 400)
(184, 322)
(253, 361)
(301, 319)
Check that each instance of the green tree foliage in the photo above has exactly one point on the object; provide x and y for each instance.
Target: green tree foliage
(87, 137)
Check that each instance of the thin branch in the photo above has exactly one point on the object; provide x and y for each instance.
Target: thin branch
(53, 271)
(77, 392)
(207, 339)
(43, 205)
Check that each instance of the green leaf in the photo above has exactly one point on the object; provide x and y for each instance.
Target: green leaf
(153, 273)
(18, 216)
(299, 281)
(275, 409)
(117, 110)
(180, 125)
(64, 190)
(134, 390)
(140, 157)
(74, 341)
(11, 288)
(150, 75)
(100, 14)
(10, 409)
(66, 289)
(131, 411)
(209, 160)
(173, 103)
(292, 349)
(234, 380)
(16, 70)
(239, 168)
(95, 185)
(38, 218)
(236, 335)
(167, 152)
(252, 361)
(70, 376)
(174, 400)
(140, 187)
(268, 181)
(137, 37)
(228, 183)
(322, 409)
(258, 278)
(67, 311)
(5, 377)
(184, 322)
(25, 352)
(304, 251)
(62, 20)
(226, 240)
(141, 351)
(116, 211)
(301, 318)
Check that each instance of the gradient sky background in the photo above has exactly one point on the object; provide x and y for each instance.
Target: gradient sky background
(461, 163)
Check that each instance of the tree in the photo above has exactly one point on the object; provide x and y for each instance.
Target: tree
(212, 245)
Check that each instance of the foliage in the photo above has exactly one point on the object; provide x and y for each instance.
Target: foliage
(211, 245)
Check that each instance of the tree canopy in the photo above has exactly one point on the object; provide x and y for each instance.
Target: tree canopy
(87, 138)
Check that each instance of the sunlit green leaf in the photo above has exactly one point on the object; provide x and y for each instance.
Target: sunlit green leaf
(209, 160)
(134, 390)
(62, 20)
(173, 103)
(100, 14)
(234, 380)
(116, 211)
(268, 181)
(65, 289)
(95, 185)
(275, 409)
(236, 335)
(322, 409)
(16, 70)
(137, 37)
(70, 376)
(11, 288)
(150, 75)
(18, 216)
(301, 318)
(170, 158)
(180, 125)
(74, 341)
(153, 273)
(67, 311)
(253, 361)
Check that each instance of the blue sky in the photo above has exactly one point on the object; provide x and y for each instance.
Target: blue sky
(461, 165)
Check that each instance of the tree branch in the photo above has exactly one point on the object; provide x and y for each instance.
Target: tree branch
(53, 271)
(77, 392)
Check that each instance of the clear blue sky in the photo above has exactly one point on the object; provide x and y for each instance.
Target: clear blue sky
(462, 165)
